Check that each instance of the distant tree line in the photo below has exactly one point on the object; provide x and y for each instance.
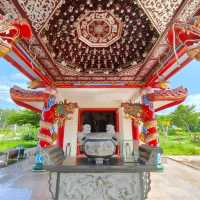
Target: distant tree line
(184, 117)
(18, 117)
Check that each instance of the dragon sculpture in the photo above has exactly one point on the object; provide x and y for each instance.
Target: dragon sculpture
(51, 112)
(57, 112)
(144, 112)
(12, 30)
(187, 35)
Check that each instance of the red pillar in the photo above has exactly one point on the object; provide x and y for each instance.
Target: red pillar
(135, 136)
(60, 136)
(135, 131)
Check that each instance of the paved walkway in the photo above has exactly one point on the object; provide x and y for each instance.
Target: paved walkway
(18, 182)
(177, 182)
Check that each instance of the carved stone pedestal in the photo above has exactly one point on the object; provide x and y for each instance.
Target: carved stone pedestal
(99, 186)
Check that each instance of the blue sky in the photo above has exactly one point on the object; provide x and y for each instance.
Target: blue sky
(188, 77)
(9, 76)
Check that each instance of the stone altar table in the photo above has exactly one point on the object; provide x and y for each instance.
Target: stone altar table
(79, 179)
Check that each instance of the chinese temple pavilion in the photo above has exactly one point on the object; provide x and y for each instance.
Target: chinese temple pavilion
(96, 68)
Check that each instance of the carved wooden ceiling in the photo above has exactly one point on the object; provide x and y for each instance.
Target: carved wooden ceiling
(128, 23)
(97, 40)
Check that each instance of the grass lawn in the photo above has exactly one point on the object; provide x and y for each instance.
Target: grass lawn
(179, 145)
(8, 144)
(174, 145)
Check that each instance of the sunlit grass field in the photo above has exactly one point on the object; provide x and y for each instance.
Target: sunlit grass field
(9, 144)
(181, 144)
(24, 136)
(175, 144)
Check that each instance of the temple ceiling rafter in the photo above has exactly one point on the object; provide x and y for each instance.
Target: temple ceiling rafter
(105, 41)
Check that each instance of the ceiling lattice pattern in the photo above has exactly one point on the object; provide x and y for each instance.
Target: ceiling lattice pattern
(131, 47)
(160, 11)
(39, 11)
(99, 28)
(129, 55)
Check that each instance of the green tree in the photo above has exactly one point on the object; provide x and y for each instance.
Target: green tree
(23, 117)
(186, 117)
(164, 122)
(4, 113)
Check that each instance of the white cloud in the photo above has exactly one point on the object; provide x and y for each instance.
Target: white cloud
(6, 100)
(194, 99)
(4, 87)
(9, 100)
(22, 85)
(5, 93)
(18, 77)
(166, 111)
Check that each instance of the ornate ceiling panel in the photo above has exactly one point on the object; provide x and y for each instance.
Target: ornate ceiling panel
(160, 11)
(38, 11)
(9, 9)
(190, 8)
(99, 28)
(95, 37)
(98, 40)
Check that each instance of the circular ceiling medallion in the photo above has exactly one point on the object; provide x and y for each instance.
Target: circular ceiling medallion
(99, 28)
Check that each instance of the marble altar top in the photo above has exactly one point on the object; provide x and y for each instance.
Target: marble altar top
(114, 165)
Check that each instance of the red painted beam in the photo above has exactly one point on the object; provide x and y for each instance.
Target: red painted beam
(187, 61)
(63, 85)
(18, 66)
(39, 61)
(22, 104)
(18, 52)
(169, 64)
(25, 16)
(174, 103)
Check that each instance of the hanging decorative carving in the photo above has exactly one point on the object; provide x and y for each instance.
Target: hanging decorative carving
(186, 34)
(194, 53)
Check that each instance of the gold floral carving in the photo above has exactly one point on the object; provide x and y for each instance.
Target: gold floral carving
(160, 12)
(38, 11)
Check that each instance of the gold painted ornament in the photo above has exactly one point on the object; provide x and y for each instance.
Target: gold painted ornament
(150, 124)
(194, 53)
(3, 50)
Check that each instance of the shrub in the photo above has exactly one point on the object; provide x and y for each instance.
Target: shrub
(7, 132)
(28, 132)
(28, 137)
